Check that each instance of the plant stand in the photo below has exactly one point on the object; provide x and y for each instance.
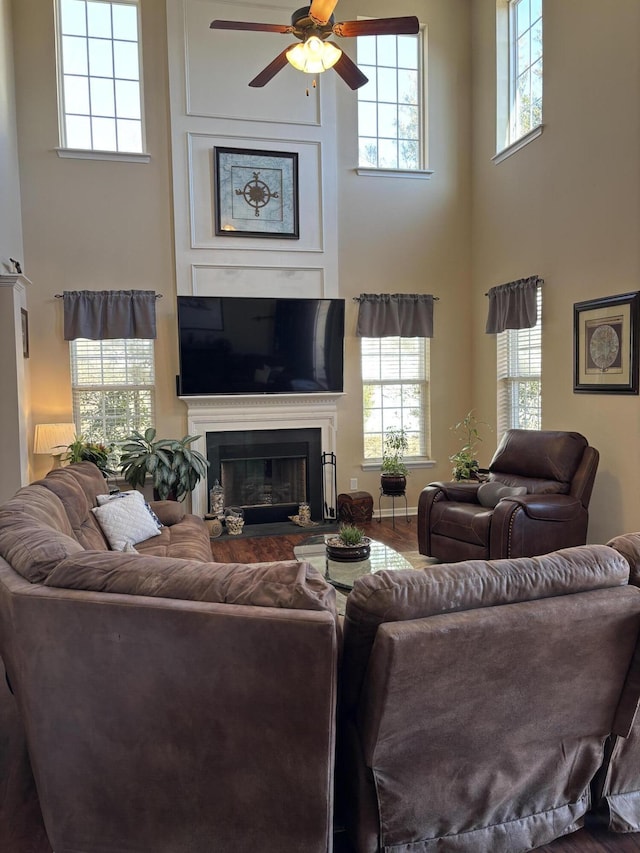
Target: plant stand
(393, 496)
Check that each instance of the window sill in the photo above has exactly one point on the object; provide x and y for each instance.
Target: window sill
(87, 154)
(412, 464)
(420, 174)
(518, 144)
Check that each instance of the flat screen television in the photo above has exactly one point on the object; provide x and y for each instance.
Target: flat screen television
(260, 345)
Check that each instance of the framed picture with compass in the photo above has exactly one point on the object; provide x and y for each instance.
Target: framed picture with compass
(256, 193)
(605, 338)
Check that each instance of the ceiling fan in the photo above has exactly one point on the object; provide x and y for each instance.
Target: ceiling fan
(313, 25)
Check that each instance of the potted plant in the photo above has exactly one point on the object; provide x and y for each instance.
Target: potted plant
(175, 469)
(393, 476)
(81, 450)
(349, 545)
(465, 463)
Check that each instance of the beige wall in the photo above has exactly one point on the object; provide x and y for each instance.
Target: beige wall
(91, 224)
(567, 207)
(10, 214)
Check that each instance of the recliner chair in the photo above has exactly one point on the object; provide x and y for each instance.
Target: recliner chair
(493, 520)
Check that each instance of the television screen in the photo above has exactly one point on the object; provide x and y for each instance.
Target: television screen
(247, 345)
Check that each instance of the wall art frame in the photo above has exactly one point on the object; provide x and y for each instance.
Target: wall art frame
(605, 338)
(256, 193)
(24, 322)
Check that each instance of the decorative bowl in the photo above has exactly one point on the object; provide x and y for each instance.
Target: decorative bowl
(341, 553)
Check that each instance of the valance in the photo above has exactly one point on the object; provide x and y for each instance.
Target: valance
(108, 314)
(387, 315)
(513, 305)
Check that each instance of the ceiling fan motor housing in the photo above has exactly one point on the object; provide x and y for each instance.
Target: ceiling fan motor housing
(301, 20)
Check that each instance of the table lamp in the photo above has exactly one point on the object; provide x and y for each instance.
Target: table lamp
(54, 440)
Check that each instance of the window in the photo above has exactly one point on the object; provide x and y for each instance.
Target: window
(525, 78)
(395, 373)
(113, 387)
(99, 76)
(390, 110)
(519, 376)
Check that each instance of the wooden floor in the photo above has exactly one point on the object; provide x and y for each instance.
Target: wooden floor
(21, 828)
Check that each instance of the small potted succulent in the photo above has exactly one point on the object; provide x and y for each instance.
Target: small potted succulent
(465, 463)
(393, 471)
(349, 545)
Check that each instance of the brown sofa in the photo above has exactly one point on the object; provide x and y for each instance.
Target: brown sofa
(477, 699)
(554, 473)
(166, 699)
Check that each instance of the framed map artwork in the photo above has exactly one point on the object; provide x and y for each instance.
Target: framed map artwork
(256, 193)
(605, 337)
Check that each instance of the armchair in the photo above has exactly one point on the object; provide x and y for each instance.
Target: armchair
(456, 521)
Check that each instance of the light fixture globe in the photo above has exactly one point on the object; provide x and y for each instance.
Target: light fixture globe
(314, 56)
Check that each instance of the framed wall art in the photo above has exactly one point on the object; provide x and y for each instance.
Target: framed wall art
(24, 320)
(256, 193)
(605, 337)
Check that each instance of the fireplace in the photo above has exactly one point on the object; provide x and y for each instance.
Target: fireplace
(268, 473)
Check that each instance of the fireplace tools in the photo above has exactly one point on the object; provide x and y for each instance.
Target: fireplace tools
(329, 486)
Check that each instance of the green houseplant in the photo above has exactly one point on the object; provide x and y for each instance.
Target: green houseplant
(393, 471)
(465, 463)
(81, 450)
(174, 468)
(349, 545)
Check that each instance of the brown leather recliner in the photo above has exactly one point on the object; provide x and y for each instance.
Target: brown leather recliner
(457, 522)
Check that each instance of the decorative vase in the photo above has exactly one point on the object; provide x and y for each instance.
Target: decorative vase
(341, 553)
(214, 525)
(234, 520)
(216, 500)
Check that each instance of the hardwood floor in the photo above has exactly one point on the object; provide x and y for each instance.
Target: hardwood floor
(21, 827)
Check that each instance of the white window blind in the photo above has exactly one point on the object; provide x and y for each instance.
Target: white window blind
(395, 374)
(519, 359)
(113, 387)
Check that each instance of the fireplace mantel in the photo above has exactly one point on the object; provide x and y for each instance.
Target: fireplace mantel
(258, 412)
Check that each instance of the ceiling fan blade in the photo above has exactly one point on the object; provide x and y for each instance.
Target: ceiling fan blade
(350, 73)
(244, 25)
(271, 70)
(378, 27)
(321, 10)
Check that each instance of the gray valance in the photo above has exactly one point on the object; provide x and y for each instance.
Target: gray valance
(108, 314)
(390, 315)
(513, 305)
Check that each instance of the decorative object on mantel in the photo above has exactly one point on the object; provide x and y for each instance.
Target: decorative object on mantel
(303, 521)
(216, 500)
(234, 520)
(465, 464)
(606, 345)
(175, 468)
(350, 545)
(16, 265)
(312, 25)
(393, 471)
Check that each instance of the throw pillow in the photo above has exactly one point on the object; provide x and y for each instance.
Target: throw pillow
(490, 493)
(125, 520)
(136, 495)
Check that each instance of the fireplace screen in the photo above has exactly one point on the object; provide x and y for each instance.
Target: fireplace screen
(264, 481)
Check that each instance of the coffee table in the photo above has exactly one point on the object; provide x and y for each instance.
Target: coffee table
(342, 575)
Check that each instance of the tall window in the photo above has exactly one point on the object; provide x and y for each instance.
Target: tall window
(525, 45)
(99, 75)
(519, 376)
(112, 383)
(395, 373)
(390, 108)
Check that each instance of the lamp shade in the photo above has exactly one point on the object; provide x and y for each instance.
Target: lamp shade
(53, 438)
(314, 56)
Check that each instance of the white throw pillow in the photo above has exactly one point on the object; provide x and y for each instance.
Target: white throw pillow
(125, 520)
(135, 495)
(490, 493)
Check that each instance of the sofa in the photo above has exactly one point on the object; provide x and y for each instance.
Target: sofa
(165, 698)
(536, 500)
(478, 700)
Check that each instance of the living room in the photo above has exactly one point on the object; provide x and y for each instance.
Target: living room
(466, 224)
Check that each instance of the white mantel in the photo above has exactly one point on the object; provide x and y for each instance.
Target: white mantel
(258, 412)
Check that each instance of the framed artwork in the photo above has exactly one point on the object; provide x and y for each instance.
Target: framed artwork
(256, 193)
(24, 317)
(605, 338)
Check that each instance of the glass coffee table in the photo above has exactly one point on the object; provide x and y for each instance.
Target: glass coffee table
(342, 575)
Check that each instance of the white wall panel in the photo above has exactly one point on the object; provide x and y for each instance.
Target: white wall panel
(219, 280)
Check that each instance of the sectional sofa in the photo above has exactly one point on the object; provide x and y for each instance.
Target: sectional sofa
(171, 703)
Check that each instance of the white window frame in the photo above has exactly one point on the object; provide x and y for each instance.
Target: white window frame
(91, 371)
(519, 364)
(92, 151)
(421, 171)
(509, 138)
(392, 348)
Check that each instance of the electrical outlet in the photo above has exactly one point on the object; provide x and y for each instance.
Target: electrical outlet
(354, 483)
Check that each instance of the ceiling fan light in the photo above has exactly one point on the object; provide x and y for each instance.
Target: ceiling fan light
(314, 56)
